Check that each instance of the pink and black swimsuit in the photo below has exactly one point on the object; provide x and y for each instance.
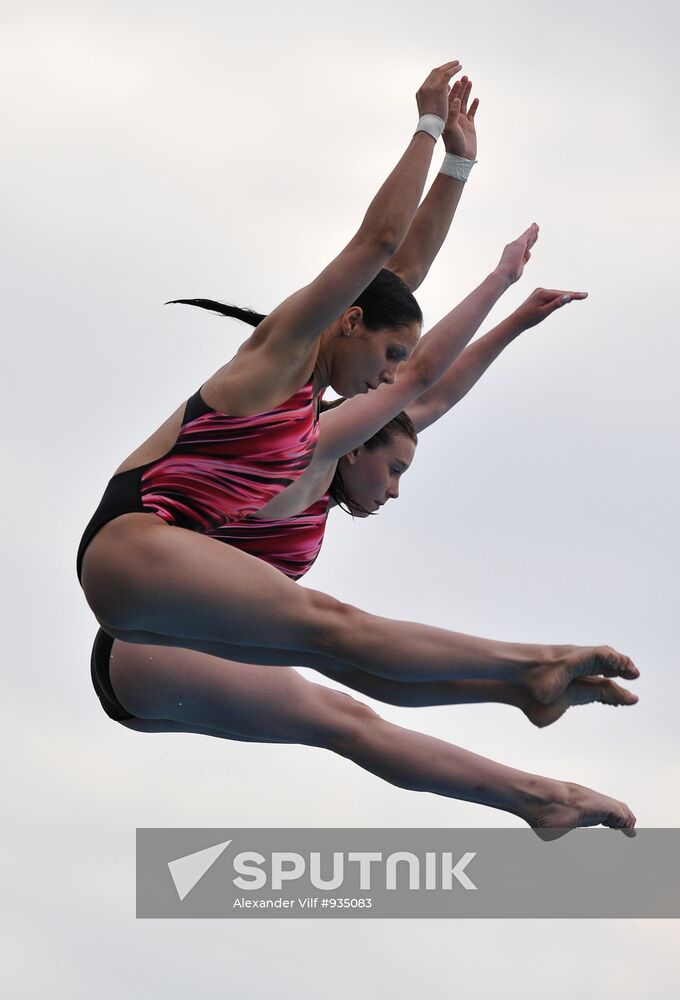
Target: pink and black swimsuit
(290, 544)
(220, 470)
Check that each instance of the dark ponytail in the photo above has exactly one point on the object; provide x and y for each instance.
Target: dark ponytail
(386, 302)
(245, 315)
(401, 424)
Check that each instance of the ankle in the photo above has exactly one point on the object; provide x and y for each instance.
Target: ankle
(529, 657)
(535, 792)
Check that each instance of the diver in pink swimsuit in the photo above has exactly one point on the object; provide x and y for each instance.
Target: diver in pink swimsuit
(220, 469)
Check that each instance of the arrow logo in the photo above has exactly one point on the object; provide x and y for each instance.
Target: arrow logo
(191, 868)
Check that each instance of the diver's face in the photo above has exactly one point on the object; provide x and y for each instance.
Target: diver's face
(365, 359)
(371, 477)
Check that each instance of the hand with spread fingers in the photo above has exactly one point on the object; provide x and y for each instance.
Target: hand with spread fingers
(460, 136)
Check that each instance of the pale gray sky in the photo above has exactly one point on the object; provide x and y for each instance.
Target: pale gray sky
(205, 149)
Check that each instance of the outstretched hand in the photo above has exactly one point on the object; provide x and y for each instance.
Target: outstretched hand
(517, 253)
(459, 134)
(433, 96)
(541, 303)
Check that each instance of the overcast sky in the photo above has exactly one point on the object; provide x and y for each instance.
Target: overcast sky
(180, 149)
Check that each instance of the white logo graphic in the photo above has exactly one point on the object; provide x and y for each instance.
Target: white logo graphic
(190, 869)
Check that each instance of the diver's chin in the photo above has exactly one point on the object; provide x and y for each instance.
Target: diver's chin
(359, 390)
(344, 390)
(359, 511)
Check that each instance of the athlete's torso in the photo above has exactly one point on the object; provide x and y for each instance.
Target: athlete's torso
(289, 544)
(223, 468)
(220, 468)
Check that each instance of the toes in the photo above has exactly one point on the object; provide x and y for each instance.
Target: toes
(629, 828)
(614, 820)
(589, 688)
(622, 694)
(622, 819)
(547, 685)
(630, 669)
(613, 694)
(626, 667)
(613, 664)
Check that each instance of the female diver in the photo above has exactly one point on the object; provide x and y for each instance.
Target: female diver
(178, 589)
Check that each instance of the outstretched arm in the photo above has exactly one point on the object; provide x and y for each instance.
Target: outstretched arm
(476, 358)
(293, 328)
(347, 427)
(433, 219)
(371, 414)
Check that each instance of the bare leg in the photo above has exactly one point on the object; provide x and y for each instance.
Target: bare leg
(427, 693)
(420, 694)
(198, 692)
(163, 585)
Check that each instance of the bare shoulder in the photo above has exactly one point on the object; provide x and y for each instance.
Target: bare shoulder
(244, 386)
(257, 379)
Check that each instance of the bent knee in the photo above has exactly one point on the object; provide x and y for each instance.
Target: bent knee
(348, 723)
(327, 621)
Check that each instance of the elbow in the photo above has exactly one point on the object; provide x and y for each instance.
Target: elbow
(383, 242)
(422, 374)
(388, 243)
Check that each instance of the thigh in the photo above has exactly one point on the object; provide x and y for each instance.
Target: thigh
(145, 577)
(405, 693)
(197, 692)
(379, 688)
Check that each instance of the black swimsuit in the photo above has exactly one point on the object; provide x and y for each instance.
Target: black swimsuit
(123, 494)
(101, 679)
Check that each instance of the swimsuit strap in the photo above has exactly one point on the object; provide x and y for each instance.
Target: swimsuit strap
(196, 407)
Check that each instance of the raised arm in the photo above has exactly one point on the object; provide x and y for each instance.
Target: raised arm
(346, 427)
(476, 358)
(428, 407)
(433, 219)
(293, 327)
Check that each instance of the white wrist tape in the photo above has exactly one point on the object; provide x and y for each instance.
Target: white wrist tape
(432, 124)
(457, 166)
